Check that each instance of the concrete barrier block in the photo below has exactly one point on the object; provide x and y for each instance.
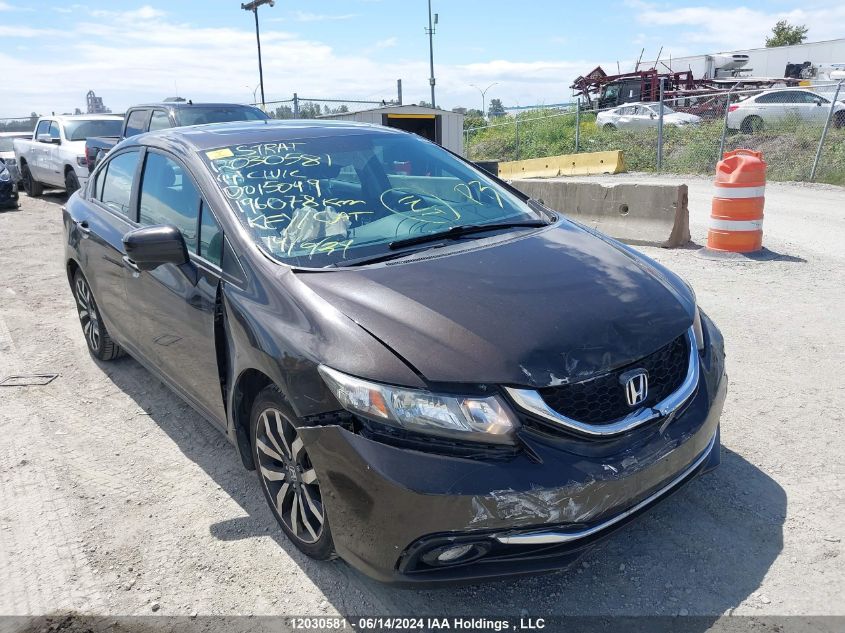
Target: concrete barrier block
(586, 164)
(630, 212)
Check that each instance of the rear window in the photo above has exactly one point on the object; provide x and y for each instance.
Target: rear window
(81, 130)
(218, 114)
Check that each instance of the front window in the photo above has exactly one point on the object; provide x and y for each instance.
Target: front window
(321, 201)
(82, 130)
(219, 114)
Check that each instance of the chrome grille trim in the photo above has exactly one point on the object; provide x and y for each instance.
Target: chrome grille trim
(532, 402)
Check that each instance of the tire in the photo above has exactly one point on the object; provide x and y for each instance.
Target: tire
(281, 460)
(71, 182)
(97, 337)
(751, 124)
(839, 119)
(32, 187)
(609, 127)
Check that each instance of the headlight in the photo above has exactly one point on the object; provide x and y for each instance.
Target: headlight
(5, 176)
(697, 329)
(468, 418)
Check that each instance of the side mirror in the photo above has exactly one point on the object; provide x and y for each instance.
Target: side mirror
(46, 138)
(652, 115)
(152, 246)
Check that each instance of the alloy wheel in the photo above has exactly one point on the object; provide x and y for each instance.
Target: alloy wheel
(88, 315)
(288, 476)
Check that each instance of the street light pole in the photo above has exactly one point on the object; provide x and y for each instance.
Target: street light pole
(484, 97)
(253, 6)
(430, 31)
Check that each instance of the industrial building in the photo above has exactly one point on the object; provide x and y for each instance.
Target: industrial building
(441, 126)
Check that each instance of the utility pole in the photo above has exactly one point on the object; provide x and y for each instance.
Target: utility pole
(430, 31)
(253, 6)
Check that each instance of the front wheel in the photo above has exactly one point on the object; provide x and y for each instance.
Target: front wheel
(97, 337)
(609, 127)
(839, 119)
(287, 475)
(32, 187)
(71, 182)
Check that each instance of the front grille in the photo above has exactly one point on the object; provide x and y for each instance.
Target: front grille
(601, 400)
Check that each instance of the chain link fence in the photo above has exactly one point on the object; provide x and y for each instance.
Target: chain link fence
(307, 108)
(800, 131)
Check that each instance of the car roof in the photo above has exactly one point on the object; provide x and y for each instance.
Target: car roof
(83, 117)
(184, 104)
(214, 135)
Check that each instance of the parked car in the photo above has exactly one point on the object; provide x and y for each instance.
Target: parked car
(642, 115)
(159, 116)
(433, 376)
(7, 151)
(8, 188)
(773, 107)
(54, 156)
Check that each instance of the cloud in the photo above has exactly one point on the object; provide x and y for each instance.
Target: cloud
(304, 16)
(146, 12)
(389, 42)
(736, 28)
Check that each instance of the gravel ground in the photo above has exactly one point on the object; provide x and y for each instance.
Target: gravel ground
(116, 498)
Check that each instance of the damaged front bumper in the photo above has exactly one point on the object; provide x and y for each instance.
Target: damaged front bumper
(392, 510)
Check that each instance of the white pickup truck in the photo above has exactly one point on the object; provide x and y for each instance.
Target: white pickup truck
(55, 155)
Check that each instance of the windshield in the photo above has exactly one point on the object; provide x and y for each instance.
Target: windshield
(319, 201)
(81, 130)
(219, 114)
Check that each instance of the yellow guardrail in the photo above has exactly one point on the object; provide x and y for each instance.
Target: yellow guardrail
(566, 165)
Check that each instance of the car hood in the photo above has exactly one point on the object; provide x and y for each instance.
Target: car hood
(557, 306)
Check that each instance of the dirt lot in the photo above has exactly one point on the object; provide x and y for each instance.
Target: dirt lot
(116, 498)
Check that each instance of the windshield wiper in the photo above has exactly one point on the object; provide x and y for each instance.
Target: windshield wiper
(463, 229)
(371, 259)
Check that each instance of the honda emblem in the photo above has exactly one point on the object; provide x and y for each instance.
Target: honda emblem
(635, 383)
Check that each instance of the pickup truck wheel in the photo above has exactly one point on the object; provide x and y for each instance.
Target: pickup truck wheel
(100, 344)
(71, 182)
(32, 187)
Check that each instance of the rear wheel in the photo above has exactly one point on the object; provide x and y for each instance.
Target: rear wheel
(97, 337)
(71, 182)
(287, 475)
(609, 127)
(32, 187)
(751, 124)
(839, 119)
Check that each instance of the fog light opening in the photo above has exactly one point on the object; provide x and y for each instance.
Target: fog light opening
(454, 554)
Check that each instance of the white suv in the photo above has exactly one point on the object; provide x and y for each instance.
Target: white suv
(777, 106)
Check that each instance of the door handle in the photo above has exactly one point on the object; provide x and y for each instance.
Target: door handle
(83, 227)
(131, 265)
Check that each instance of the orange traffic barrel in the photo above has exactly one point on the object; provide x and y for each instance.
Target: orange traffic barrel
(736, 219)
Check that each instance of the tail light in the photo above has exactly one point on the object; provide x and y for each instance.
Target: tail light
(730, 108)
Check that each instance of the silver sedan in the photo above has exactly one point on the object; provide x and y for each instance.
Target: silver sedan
(642, 115)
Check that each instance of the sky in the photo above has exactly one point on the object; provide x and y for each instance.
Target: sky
(129, 52)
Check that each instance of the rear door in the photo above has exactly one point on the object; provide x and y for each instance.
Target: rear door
(52, 165)
(38, 152)
(106, 219)
(173, 306)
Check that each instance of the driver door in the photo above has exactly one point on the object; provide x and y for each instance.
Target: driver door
(174, 306)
